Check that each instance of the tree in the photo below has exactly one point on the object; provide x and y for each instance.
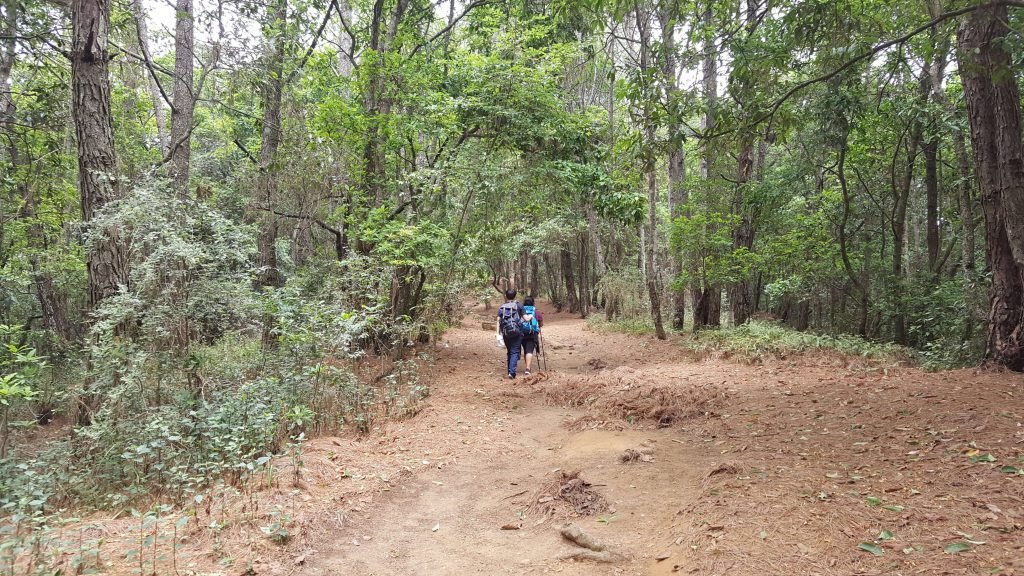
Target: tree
(993, 106)
(97, 167)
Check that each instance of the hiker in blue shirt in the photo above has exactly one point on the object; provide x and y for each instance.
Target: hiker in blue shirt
(531, 326)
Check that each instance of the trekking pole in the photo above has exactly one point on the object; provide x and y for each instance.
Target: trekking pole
(543, 351)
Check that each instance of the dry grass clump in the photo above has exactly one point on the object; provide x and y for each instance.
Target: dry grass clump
(632, 396)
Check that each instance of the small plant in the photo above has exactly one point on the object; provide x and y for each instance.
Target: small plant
(277, 530)
(19, 367)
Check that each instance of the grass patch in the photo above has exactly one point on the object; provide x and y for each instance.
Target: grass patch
(757, 339)
(622, 325)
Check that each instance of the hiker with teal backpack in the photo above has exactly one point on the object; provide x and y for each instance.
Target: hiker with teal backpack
(530, 327)
(510, 330)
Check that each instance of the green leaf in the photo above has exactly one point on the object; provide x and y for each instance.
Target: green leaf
(885, 535)
(893, 507)
(869, 547)
(1012, 470)
(982, 458)
(957, 547)
(872, 501)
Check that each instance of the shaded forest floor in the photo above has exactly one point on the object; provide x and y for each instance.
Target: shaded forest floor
(815, 464)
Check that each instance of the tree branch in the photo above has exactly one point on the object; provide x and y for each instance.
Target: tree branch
(316, 39)
(873, 51)
(469, 8)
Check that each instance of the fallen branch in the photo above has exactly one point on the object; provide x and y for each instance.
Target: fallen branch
(572, 533)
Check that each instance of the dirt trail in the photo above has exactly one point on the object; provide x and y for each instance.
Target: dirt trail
(495, 444)
(817, 464)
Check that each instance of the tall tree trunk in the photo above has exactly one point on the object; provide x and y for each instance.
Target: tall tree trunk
(159, 106)
(677, 194)
(94, 130)
(534, 276)
(106, 262)
(707, 298)
(741, 297)
(571, 296)
(901, 193)
(266, 182)
(184, 98)
(930, 150)
(644, 23)
(993, 105)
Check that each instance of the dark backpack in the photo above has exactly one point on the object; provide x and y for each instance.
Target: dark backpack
(508, 319)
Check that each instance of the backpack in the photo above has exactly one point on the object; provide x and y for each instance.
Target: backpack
(529, 325)
(508, 319)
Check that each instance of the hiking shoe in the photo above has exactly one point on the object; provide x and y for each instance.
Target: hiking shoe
(527, 373)
(511, 376)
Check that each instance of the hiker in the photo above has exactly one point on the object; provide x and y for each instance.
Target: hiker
(510, 330)
(531, 326)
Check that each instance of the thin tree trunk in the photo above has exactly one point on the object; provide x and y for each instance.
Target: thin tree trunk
(930, 150)
(901, 192)
(707, 298)
(643, 23)
(993, 105)
(677, 194)
(266, 184)
(159, 106)
(740, 297)
(184, 98)
(571, 295)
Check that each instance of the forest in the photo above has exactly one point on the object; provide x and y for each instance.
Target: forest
(229, 226)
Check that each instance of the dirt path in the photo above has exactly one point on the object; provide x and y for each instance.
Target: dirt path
(811, 465)
(495, 444)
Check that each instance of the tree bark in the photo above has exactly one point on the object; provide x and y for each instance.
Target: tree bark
(94, 129)
(707, 298)
(184, 98)
(993, 106)
(930, 151)
(571, 296)
(677, 194)
(266, 183)
(643, 23)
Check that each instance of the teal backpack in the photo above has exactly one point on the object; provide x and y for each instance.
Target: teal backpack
(529, 327)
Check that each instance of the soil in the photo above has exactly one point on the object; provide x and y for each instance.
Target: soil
(814, 464)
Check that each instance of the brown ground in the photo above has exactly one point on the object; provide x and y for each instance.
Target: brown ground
(780, 468)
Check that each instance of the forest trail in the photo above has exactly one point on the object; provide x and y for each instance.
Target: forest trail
(813, 465)
(495, 444)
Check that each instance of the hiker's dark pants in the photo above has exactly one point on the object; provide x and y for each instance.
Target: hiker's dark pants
(513, 344)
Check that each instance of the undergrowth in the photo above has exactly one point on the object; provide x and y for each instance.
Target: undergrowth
(757, 339)
(625, 325)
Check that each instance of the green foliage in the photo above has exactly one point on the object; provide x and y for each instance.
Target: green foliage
(756, 339)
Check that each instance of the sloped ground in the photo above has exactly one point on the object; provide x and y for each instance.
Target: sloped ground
(811, 465)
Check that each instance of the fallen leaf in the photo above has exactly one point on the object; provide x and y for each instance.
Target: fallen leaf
(436, 527)
(869, 547)
(663, 556)
(957, 547)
